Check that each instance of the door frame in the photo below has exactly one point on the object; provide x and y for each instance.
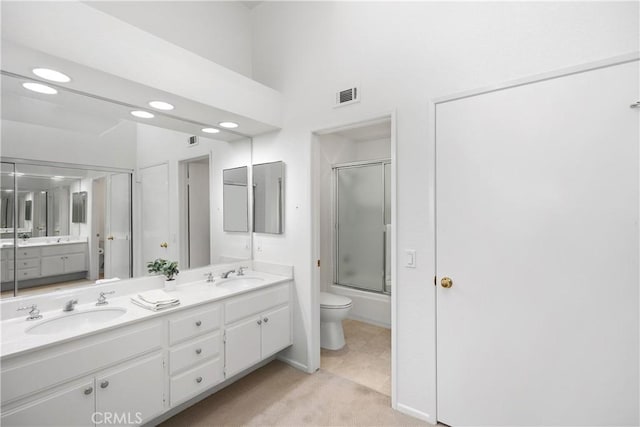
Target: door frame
(313, 350)
(183, 211)
(432, 147)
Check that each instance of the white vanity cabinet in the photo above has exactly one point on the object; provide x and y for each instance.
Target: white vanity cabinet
(195, 355)
(28, 262)
(63, 259)
(113, 374)
(257, 325)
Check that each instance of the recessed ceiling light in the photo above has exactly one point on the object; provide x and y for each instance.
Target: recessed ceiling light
(210, 130)
(142, 114)
(9, 191)
(16, 173)
(228, 125)
(52, 75)
(40, 88)
(161, 105)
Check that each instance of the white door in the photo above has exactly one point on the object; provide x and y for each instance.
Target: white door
(537, 226)
(155, 212)
(199, 218)
(117, 245)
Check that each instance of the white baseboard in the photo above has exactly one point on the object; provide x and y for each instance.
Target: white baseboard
(294, 363)
(416, 414)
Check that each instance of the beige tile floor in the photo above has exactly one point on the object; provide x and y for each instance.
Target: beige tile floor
(366, 357)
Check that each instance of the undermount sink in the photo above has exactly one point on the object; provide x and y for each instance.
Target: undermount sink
(76, 320)
(239, 282)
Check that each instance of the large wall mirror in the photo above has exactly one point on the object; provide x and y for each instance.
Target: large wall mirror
(73, 221)
(268, 196)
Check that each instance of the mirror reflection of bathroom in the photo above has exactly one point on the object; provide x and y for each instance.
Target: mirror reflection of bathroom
(354, 181)
(62, 215)
(194, 212)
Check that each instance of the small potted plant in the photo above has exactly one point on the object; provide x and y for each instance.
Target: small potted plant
(168, 268)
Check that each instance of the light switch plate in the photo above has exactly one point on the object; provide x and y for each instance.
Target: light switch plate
(410, 258)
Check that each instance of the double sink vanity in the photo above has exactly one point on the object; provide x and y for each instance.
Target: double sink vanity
(118, 363)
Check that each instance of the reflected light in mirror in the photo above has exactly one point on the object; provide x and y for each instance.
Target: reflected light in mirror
(142, 114)
(210, 130)
(51, 75)
(228, 125)
(40, 88)
(161, 105)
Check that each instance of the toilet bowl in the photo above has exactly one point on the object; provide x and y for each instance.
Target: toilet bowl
(333, 309)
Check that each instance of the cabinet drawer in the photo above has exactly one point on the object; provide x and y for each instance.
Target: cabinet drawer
(194, 352)
(194, 323)
(28, 273)
(255, 302)
(64, 249)
(25, 263)
(24, 253)
(186, 385)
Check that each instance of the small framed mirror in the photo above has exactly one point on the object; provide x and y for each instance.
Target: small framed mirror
(79, 209)
(268, 195)
(235, 199)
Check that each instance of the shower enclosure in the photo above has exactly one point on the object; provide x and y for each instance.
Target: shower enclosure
(362, 224)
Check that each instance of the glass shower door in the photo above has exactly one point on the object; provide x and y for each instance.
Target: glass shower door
(360, 227)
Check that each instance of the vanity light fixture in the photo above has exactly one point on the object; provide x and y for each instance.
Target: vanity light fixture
(40, 88)
(228, 125)
(51, 75)
(161, 105)
(142, 114)
(210, 130)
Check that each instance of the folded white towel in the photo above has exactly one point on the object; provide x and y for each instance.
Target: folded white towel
(157, 296)
(154, 307)
(101, 281)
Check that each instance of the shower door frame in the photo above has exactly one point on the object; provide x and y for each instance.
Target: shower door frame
(334, 199)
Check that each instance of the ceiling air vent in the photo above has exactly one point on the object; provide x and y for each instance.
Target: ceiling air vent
(347, 96)
(193, 140)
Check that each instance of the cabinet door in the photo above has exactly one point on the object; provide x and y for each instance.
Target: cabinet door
(75, 262)
(67, 406)
(276, 330)
(52, 265)
(133, 392)
(242, 348)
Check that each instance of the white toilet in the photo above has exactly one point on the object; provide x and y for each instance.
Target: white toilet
(333, 309)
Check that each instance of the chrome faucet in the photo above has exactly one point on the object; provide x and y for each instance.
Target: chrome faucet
(34, 313)
(226, 274)
(210, 277)
(241, 270)
(69, 306)
(102, 299)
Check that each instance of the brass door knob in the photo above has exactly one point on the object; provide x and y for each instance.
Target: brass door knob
(164, 245)
(446, 282)
(110, 238)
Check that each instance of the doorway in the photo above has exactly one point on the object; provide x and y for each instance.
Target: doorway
(353, 204)
(195, 212)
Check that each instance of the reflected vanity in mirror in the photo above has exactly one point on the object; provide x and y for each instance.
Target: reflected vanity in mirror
(235, 193)
(268, 194)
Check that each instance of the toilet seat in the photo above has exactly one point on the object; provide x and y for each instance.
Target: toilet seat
(333, 301)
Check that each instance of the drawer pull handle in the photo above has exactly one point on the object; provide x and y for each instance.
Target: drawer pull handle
(198, 350)
(88, 390)
(104, 384)
(259, 322)
(199, 379)
(266, 319)
(198, 323)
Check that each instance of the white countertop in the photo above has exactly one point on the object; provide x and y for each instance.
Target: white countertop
(15, 339)
(36, 244)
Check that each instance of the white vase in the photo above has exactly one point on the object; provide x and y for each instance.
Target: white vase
(170, 285)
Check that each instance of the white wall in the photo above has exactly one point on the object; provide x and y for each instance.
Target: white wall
(217, 30)
(402, 55)
(157, 145)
